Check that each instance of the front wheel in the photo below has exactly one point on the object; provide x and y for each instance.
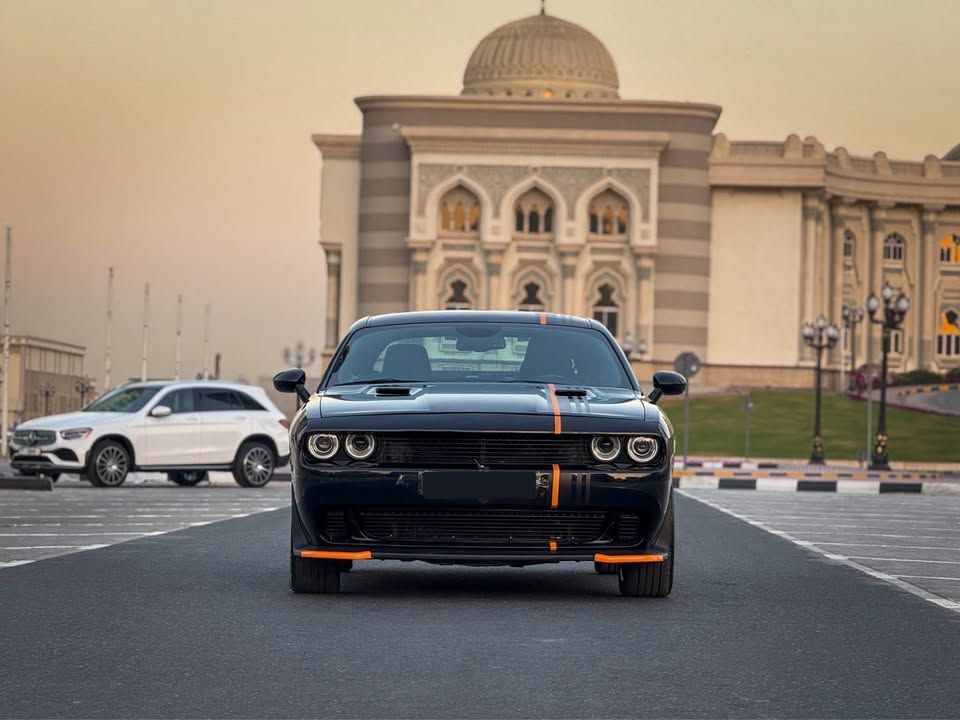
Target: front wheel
(188, 478)
(310, 575)
(650, 579)
(109, 465)
(254, 464)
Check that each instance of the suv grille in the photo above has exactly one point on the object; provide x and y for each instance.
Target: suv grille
(29, 438)
(486, 526)
(492, 449)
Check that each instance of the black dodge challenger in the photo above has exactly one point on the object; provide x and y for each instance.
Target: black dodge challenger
(481, 438)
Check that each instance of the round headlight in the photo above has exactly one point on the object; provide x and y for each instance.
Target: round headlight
(323, 446)
(642, 449)
(360, 446)
(605, 447)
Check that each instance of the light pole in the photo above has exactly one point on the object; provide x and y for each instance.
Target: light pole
(819, 335)
(83, 386)
(48, 391)
(852, 316)
(892, 305)
(299, 356)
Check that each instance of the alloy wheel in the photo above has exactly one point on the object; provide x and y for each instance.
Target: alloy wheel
(258, 466)
(112, 465)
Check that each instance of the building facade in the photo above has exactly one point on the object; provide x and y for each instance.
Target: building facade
(44, 377)
(539, 188)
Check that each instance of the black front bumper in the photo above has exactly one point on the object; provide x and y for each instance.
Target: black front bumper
(574, 515)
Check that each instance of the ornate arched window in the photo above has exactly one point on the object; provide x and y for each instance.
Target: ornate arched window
(532, 298)
(606, 309)
(608, 215)
(459, 213)
(948, 333)
(533, 213)
(894, 247)
(950, 250)
(457, 295)
(849, 244)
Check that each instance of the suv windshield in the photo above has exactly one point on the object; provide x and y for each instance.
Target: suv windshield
(479, 352)
(125, 400)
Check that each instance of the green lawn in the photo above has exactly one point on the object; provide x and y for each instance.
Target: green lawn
(781, 426)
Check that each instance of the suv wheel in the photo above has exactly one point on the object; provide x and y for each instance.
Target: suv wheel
(254, 464)
(188, 478)
(109, 465)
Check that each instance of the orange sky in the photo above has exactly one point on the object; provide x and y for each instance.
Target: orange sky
(171, 138)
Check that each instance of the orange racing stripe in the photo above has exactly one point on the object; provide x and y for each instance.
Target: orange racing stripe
(556, 408)
(553, 546)
(555, 488)
(615, 559)
(337, 554)
(543, 318)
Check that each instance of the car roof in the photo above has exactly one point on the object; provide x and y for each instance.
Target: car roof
(462, 316)
(193, 383)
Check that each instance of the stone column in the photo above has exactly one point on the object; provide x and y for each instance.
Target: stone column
(925, 304)
(643, 309)
(569, 302)
(333, 298)
(493, 257)
(812, 216)
(838, 226)
(878, 230)
(419, 299)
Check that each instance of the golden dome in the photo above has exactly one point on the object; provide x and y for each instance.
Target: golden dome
(541, 57)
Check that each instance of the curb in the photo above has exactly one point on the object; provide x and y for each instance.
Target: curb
(22, 482)
(892, 476)
(858, 487)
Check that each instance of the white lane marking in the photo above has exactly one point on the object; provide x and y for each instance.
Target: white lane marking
(890, 579)
(51, 547)
(904, 560)
(70, 534)
(14, 563)
(928, 577)
(898, 547)
(863, 534)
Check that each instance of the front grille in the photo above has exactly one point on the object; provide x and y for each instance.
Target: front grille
(483, 526)
(33, 459)
(489, 450)
(31, 438)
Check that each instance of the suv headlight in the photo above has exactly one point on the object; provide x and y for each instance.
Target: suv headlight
(323, 446)
(75, 433)
(605, 448)
(642, 448)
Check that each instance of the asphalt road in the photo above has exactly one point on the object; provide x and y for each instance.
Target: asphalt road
(199, 622)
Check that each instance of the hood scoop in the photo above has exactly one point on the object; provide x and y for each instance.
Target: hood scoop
(571, 392)
(387, 391)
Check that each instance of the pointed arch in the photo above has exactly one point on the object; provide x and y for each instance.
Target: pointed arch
(607, 299)
(451, 295)
(510, 198)
(433, 208)
(636, 215)
(524, 293)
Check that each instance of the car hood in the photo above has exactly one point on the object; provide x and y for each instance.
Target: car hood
(73, 420)
(484, 403)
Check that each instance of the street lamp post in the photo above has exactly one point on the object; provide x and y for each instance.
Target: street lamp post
(819, 335)
(892, 306)
(48, 391)
(852, 316)
(83, 386)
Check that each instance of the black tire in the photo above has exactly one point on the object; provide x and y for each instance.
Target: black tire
(109, 464)
(188, 478)
(254, 464)
(345, 565)
(650, 579)
(603, 568)
(54, 476)
(309, 575)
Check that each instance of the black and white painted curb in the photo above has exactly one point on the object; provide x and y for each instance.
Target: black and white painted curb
(862, 487)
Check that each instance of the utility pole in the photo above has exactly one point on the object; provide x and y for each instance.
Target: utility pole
(108, 351)
(176, 371)
(206, 342)
(5, 401)
(146, 328)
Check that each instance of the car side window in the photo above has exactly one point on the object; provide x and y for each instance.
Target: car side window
(180, 401)
(219, 401)
(249, 403)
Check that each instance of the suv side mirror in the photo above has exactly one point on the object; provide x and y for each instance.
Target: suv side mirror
(667, 382)
(161, 411)
(292, 380)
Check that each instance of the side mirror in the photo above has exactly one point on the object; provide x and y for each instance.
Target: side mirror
(667, 382)
(161, 411)
(292, 380)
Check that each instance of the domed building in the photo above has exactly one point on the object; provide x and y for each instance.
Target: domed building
(540, 188)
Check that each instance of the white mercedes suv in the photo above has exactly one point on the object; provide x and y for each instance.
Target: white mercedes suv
(182, 428)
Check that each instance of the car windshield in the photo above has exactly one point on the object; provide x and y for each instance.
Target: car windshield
(480, 352)
(126, 400)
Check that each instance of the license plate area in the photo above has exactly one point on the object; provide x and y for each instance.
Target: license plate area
(484, 486)
(32, 451)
